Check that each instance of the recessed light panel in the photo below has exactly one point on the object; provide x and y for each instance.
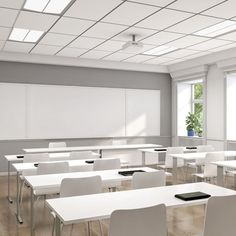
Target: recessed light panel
(47, 6)
(160, 50)
(218, 29)
(25, 35)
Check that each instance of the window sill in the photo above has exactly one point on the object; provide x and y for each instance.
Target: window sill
(190, 137)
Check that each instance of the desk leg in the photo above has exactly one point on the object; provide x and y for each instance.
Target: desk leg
(18, 198)
(58, 226)
(100, 153)
(32, 223)
(174, 174)
(8, 183)
(220, 175)
(143, 158)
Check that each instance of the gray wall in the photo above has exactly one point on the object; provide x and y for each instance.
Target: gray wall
(65, 75)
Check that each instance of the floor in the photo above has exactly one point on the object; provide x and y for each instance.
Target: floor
(181, 222)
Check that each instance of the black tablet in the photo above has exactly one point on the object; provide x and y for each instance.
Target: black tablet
(20, 156)
(89, 161)
(160, 149)
(192, 196)
(129, 172)
(36, 164)
(191, 148)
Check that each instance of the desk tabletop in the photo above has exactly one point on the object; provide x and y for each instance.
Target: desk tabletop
(88, 148)
(229, 164)
(99, 206)
(38, 182)
(154, 150)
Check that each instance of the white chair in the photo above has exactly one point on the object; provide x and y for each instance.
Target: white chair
(199, 163)
(220, 216)
(56, 144)
(210, 170)
(148, 179)
(83, 155)
(106, 164)
(53, 168)
(150, 221)
(80, 186)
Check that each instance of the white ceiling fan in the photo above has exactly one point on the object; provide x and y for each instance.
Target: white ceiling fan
(132, 46)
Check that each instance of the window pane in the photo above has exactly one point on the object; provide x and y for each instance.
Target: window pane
(198, 111)
(198, 91)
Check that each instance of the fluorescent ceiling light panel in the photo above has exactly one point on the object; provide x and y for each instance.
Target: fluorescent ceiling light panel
(25, 35)
(160, 50)
(47, 6)
(218, 29)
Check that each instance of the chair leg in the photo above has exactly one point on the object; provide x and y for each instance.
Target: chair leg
(53, 226)
(89, 229)
(71, 229)
(21, 191)
(100, 226)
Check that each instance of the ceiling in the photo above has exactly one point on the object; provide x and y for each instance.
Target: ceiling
(95, 29)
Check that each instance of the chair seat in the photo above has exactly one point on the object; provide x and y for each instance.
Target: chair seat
(201, 175)
(192, 164)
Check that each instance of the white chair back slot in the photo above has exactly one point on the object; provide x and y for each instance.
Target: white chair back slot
(148, 179)
(220, 216)
(169, 159)
(53, 168)
(36, 157)
(106, 164)
(210, 170)
(80, 186)
(56, 144)
(203, 148)
(82, 155)
(150, 221)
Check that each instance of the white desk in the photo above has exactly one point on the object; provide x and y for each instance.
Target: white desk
(45, 184)
(193, 156)
(100, 206)
(100, 148)
(154, 151)
(13, 159)
(220, 170)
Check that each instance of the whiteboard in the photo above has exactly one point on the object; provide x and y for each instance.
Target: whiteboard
(142, 112)
(75, 112)
(13, 111)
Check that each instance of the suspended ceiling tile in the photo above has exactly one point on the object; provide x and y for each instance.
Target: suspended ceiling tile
(35, 21)
(1, 44)
(193, 5)
(140, 33)
(57, 39)
(160, 3)
(225, 10)
(194, 24)
(187, 41)
(86, 42)
(45, 49)
(4, 33)
(71, 52)
(110, 45)
(7, 17)
(162, 38)
(228, 46)
(104, 30)
(230, 36)
(71, 26)
(163, 19)
(158, 60)
(18, 47)
(92, 10)
(118, 56)
(129, 13)
(15, 4)
(94, 54)
(139, 58)
(213, 43)
(181, 53)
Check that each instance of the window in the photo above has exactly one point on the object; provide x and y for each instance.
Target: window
(190, 100)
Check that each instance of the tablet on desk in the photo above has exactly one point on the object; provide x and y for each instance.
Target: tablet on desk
(20, 156)
(160, 149)
(191, 147)
(192, 196)
(89, 161)
(36, 164)
(129, 172)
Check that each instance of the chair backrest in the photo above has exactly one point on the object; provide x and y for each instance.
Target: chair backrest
(148, 179)
(82, 155)
(203, 148)
(150, 221)
(80, 186)
(169, 159)
(220, 216)
(52, 168)
(210, 170)
(106, 164)
(56, 144)
(36, 157)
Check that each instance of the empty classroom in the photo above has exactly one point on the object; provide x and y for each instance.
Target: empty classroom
(117, 117)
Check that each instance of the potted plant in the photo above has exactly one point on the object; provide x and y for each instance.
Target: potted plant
(191, 121)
